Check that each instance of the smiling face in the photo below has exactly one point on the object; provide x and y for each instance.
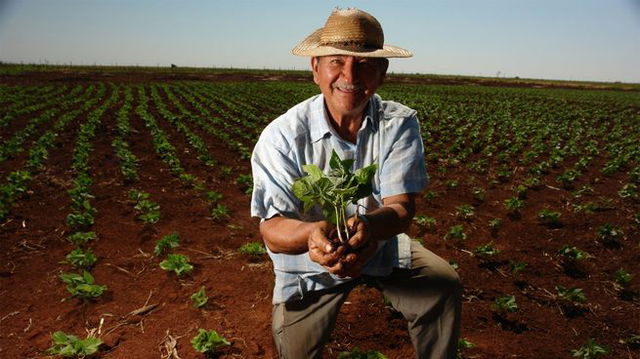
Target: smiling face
(348, 82)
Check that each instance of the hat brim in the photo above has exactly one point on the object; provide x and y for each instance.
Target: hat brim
(311, 47)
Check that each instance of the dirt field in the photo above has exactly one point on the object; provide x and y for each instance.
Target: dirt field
(33, 247)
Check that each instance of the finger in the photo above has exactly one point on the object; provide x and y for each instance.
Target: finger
(319, 240)
(326, 259)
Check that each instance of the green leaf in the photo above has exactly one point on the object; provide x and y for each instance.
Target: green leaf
(208, 341)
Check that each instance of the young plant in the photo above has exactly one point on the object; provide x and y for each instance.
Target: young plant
(610, 234)
(245, 182)
(505, 304)
(254, 249)
(178, 263)
(494, 224)
(573, 295)
(199, 298)
(573, 253)
(478, 194)
(81, 259)
(463, 344)
(82, 286)
(208, 342)
(81, 238)
(213, 197)
(456, 232)
(67, 345)
(220, 212)
(549, 218)
(137, 196)
(335, 191)
(169, 241)
(513, 205)
(629, 191)
(622, 278)
(424, 222)
(517, 267)
(590, 350)
(356, 353)
(487, 250)
(465, 211)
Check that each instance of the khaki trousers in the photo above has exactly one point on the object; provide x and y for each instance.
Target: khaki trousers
(428, 295)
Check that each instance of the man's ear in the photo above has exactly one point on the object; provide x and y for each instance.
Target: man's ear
(314, 68)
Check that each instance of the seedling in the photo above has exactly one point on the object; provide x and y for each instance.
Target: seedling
(463, 344)
(513, 205)
(549, 218)
(429, 195)
(254, 249)
(68, 345)
(609, 234)
(505, 304)
(81, 238)
(81, 259)
(573, 253)
(188, 180)
(219, 212)
(208, 342)
(495, 223)
(80, 220)
(245, 182)
(456, 232)
(424, 222)
(629, 191)
(573, 295)
(622, 277)
(333, 192)
(517, 267)
(138, 196)
(169, 241)
(452, 183)
(82, 286)
(465, 211)
(213, 196)
(178, 263)
(487, 250)
(521, 191)
(199, 298)
(590, 350)
(358, 354)
(478, 193)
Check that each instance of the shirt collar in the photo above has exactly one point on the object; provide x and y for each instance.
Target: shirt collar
(319, 125)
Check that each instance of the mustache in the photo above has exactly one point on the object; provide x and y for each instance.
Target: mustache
(346, 86)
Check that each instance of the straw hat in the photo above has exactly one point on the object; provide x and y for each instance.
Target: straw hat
(350, 32)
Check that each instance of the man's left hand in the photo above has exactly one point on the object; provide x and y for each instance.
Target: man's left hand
(363, 247)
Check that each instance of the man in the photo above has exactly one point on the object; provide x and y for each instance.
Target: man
(313, 278)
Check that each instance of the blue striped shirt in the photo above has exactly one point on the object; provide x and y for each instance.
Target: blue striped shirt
(389, 136)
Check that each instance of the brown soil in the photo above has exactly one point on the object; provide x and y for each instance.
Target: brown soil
(33, 246)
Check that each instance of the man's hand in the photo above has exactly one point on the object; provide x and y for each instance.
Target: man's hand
(322, 251)
(362, 246)
(346, 260)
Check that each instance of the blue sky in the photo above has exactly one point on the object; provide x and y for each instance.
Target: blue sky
(561, 39)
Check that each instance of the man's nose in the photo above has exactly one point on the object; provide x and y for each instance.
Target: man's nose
(349, 70)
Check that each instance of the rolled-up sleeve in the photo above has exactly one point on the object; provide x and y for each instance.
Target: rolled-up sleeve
(403, 168)
(274, 170)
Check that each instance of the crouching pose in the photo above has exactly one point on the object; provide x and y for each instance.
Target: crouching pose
(313, 276)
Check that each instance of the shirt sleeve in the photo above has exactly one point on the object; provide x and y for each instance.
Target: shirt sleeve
(274, 171)
(403, 169)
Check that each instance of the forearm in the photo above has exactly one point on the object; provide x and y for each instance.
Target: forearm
(392, 218)
(287, 235)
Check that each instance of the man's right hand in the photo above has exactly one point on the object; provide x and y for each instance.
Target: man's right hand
(323, 252)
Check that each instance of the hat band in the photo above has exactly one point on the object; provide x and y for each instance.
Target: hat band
(351, 46)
